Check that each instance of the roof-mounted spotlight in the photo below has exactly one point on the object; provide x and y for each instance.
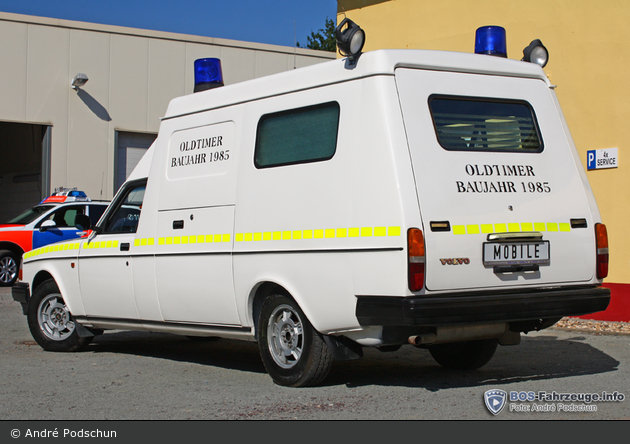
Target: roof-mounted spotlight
(491, 40)
(536, 53)
(208, 74)
(78, 81)
(350, 39)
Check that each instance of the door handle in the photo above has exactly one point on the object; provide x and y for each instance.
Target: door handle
(124, 246)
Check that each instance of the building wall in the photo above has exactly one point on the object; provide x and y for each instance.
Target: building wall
(589, 46)
(133, 74)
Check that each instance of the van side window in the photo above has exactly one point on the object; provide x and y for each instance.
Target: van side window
(480, 124)
(125, 213)
(300, 135)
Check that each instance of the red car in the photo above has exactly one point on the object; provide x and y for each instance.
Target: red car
(53, 220)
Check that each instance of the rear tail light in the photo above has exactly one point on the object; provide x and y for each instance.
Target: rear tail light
(602, 250)
(415, 247)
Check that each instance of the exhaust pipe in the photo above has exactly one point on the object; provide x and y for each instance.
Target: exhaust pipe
(460, 333)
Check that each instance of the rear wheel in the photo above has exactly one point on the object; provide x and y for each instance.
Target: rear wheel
(464, 355)
(50, 321)
(292, 351)
(9, 265)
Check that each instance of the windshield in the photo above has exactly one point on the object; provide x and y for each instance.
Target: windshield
(31, 214)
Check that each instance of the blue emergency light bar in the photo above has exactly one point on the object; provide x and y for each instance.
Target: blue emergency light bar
(491, 40)
(208, 74)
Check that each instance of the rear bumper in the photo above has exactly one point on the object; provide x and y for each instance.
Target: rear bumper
(475, 307)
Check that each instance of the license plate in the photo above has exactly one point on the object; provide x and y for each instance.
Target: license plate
(512, 253)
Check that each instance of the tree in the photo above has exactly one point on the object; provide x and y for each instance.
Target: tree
(322, 40)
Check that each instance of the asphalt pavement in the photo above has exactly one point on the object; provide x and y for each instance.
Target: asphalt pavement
(144, 376)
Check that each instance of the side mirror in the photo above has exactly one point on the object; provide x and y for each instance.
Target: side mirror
(47, 225)
(82, 222)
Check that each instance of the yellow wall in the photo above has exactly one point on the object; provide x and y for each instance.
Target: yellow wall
(589, 46)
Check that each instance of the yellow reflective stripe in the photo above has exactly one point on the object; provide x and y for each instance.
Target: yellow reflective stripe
(459, 229)
(393, 231)
(52, 249)
(540, 226)
(192, 239)
(500, 228)
(472, 229)
(512, 227)
(320, 233)
(487, 228)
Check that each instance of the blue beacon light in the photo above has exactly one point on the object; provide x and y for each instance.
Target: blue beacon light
(491, 40)
(208, 74)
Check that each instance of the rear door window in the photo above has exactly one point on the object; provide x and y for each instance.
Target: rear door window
(480, 124)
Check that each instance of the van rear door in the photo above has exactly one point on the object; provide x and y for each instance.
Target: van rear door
(501, 197)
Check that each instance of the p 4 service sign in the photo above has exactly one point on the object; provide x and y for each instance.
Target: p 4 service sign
(600, 159)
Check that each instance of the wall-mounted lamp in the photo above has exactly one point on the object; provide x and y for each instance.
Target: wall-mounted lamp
(79, 80)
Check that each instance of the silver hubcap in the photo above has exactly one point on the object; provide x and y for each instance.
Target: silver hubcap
(285, 336)
(8, 269)
(54, 318)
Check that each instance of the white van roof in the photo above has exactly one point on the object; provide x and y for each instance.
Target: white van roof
(373, 63)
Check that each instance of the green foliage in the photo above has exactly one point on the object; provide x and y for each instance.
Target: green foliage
(322, 40)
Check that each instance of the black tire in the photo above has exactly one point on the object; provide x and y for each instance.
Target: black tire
(292, 351)
(50, 321)
(464, 355)
(9, 267)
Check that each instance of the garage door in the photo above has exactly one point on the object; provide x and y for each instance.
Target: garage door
(130, 148)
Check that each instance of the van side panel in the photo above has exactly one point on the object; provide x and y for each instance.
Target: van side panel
(325, 230)
(194, 184)
(194, 265)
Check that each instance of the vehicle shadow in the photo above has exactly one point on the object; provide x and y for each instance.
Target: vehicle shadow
(536, 358)
(225, 353)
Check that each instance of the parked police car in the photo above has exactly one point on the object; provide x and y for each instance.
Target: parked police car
(395, 197)
(53, 220)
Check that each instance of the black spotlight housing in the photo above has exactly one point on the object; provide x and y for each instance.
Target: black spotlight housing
(350, 39)
(536, 53)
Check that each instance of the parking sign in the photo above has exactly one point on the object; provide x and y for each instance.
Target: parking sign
(600, 159)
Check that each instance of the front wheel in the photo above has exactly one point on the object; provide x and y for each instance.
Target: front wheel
(50, 321)
(468, 355)
(9, 265)
(292, 351)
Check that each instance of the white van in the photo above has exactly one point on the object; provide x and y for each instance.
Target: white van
(404, 197)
